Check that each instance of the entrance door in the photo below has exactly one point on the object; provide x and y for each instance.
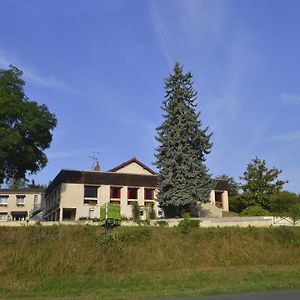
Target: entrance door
(91, 213)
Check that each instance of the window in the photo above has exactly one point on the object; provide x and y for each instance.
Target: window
(3, 216)
(69, 213)
(149, 194)
(20, 200)
(35, 202)
(19, 215)
(90, 201)
(90, 191)
(141, 213)
(115, 192)
(132, 193)
(3, 200)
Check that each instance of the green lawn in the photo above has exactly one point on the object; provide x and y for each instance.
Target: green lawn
(80, 262)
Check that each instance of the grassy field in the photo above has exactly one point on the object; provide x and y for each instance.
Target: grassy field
(81, 262)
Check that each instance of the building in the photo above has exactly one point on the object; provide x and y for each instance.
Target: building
(19, 204)
(75, 194)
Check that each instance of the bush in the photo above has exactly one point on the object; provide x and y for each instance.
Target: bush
(162, 223)
(281, 202)
(143, 222)
(294, 213)
(135, 211)
(236, 204)
(152, 212)
(255, 210)
(187, 224)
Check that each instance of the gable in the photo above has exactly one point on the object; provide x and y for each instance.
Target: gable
(134, 168)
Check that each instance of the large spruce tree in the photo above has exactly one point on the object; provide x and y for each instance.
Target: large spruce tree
(183, 177)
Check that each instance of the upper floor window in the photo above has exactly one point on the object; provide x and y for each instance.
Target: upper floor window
(115, 192)
(149, 194)
(20, 200)
(3, 200)
(133, 193)
(90, 191)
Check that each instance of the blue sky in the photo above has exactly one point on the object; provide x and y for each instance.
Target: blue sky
(100, 67)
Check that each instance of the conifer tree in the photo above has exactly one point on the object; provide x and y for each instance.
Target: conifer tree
(183, 177)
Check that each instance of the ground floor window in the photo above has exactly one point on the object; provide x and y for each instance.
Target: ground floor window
(69, 214)
(90, 201)
(3, 216)
(19, 215)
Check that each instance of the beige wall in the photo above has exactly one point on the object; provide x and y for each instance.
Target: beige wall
(32, 201)
(71, 195)
(134, 168)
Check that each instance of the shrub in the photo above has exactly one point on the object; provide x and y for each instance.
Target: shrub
(294, 213)
(152, 212)
(187, 224)
(281, 202)
(255, 210)
(236, 204)
(162, 223)
(143, 222)
(135, 211)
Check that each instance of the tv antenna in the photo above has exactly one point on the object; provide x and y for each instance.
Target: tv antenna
(95, 159)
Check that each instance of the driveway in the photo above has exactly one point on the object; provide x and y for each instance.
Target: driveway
(282, 295)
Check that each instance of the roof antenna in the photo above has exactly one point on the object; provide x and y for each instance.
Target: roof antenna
(95, 165)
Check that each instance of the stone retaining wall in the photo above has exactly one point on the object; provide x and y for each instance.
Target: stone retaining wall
(204, 222)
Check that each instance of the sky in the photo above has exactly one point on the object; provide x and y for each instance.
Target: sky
(100, 67)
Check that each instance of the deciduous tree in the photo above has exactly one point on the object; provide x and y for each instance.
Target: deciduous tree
(25, 128)
(260, 183)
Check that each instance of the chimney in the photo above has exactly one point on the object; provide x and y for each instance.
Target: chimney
(97, 166)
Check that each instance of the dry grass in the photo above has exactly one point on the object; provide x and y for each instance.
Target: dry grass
(136, 263)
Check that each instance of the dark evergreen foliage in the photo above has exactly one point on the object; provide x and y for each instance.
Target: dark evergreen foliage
(183, 177)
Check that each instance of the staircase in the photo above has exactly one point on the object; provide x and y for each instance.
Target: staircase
(209, 210)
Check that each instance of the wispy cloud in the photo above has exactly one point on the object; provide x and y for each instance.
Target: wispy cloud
(290, 98)
(202, 25)
(285, 137)
(79, 152)
(161, 31)
(69, 153)
(32, 74)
